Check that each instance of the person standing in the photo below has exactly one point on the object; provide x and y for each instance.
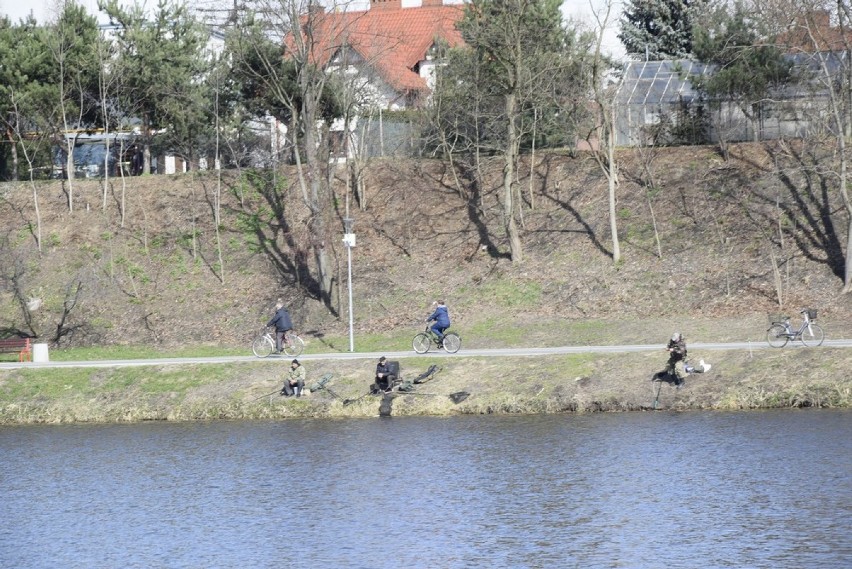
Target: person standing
(282, 323)
(294, 383)
(441, 317)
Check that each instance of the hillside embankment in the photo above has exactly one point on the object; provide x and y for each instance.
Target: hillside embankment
(711, 248)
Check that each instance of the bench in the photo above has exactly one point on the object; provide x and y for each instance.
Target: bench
(22, 346)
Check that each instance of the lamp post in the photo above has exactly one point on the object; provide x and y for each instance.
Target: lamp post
(349, 241)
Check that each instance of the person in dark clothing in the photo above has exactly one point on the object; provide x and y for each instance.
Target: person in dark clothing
(283, 324)
(677, 355)
(677, 366)
(441, 317)
(384, 378)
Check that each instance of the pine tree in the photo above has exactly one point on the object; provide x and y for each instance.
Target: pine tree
(658, 29)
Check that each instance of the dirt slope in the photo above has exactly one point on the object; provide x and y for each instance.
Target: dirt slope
(708, 247)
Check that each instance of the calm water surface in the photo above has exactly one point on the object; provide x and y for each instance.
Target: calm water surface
(756, 489)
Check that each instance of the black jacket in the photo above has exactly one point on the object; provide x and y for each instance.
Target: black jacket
(281, 320)
(678, 350)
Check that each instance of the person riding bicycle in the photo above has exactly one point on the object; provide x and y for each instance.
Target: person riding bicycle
(283, 324)
(441, 317)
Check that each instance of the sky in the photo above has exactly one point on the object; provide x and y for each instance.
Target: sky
(583, 10)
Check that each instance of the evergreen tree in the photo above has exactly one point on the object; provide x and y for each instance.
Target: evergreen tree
(746, 68)
(28, 95)
(161, 62)
(658, 29)
(72, 43)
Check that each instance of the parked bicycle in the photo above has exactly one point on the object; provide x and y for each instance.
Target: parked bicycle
(264, 344)
(809, 332)
(424, 340)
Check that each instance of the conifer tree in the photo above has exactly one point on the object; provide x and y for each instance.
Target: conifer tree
(658, 29)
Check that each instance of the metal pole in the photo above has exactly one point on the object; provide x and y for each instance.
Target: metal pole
(351, 330)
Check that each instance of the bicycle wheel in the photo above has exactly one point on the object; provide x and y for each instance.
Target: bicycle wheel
(421, 343)
(812, 336)
(777, 336)
(294, 346)
(452, 342)
(262, 346)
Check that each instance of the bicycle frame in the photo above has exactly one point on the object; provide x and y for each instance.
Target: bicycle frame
(432, 335)
(292, 345)
(797, 333)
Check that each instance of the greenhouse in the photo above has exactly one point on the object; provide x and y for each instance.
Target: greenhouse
(657, 104)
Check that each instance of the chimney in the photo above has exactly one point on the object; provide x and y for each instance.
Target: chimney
(432, 3)
(386, 5)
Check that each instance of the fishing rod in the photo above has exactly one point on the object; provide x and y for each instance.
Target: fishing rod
(267, 395)
(456, 397)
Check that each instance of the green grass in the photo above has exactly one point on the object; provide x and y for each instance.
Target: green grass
(363, 343)
(505, 293)
(52, 383)
(139, 352)
(496, 332)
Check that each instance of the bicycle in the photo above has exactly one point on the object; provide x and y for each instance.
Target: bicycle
(809, 332)
(264, 344)
(424, 340)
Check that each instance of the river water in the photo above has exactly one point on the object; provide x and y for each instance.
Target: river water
(700, 489)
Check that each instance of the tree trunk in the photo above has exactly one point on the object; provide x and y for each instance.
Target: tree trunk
(847, 278)
(612, 179)
(511, 157)
(847, 204)
(315, 182)
(146, 145)
(13, 149)
(69, 170)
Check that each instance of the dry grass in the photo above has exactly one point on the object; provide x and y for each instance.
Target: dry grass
(547, 384)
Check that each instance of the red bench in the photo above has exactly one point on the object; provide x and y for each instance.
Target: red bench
(22, 346)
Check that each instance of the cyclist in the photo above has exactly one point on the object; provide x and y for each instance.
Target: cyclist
(441, 317)
(283, 324)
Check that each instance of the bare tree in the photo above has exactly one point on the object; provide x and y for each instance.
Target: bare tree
(822, 29)
(29, 146)
(298, 87)
(496, 93)
(603, 134)
(72, 43)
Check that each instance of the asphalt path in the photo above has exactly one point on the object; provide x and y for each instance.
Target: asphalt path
(484, 353)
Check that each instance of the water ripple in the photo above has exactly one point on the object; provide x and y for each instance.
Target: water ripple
(757, 489)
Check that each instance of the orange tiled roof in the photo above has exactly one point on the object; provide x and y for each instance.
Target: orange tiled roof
(392, 41)
(813, 32)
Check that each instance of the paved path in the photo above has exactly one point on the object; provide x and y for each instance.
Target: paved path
(502, 352)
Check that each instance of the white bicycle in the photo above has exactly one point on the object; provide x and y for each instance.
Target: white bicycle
(264, 344)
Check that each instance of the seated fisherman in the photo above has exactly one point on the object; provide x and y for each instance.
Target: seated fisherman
(384, 378)
(294, 383)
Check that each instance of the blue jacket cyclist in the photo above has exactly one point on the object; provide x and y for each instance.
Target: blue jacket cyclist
(441, 317)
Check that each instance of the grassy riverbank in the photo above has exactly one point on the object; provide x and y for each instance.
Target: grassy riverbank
(788, 378)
